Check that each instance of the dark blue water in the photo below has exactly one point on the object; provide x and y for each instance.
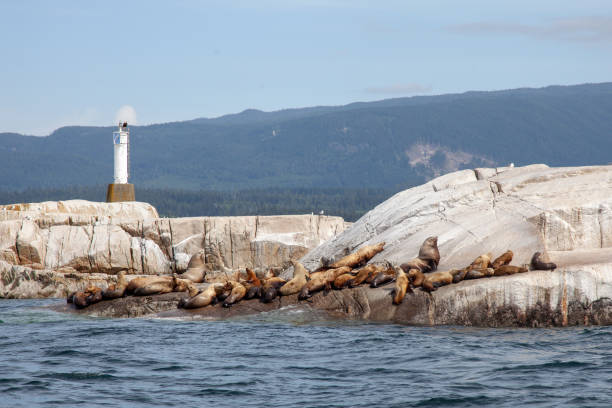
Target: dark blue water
(291, 358)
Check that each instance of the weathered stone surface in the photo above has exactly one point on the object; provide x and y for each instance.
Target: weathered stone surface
(133, 210)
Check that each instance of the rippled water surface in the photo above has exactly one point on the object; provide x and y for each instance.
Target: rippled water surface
(288, 358)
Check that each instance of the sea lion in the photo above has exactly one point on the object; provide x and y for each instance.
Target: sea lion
(417, 263)
(539, 265)
(300, 275)
(383, 277)
(173, 284)
(332, 274)
(324, 263)
(91, 294)
(429, 252)
(503, 259)
(482, 262)
(144, 281)
(116, 290)
(477, 273)
(204, 298)
(431, 281)
(224, 294)
(415, 277)
(376, 271)
(428, 258)
(343, 281)
(434, 280)
(363, 274)
(252, 292)
(317, 282)
(252, 285)
(236, 295)
(362, 256)
(508, 270)
(270, 287)
(401, 285)
(196, 269)
(252, 277)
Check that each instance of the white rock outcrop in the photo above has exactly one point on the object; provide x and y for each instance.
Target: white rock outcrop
(565, 213)
(80, 236)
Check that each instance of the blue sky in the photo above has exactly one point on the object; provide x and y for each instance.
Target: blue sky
(80, 62)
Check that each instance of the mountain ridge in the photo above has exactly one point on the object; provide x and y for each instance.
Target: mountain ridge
(392, 143)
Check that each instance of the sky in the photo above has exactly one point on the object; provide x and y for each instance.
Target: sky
(96, 62)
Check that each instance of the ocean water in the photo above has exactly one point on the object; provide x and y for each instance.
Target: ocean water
(292, 358)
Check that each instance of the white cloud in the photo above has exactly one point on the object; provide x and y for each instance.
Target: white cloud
(399, 89)
(579, 29)
(126, 113)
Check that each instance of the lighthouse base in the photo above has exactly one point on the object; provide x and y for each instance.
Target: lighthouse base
(120, 192)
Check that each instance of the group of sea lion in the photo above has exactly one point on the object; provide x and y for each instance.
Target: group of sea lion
(338, 275)
(349, 272)
(141, 286)
(421, 271)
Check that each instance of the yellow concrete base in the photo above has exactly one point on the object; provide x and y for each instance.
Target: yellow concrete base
(120, 192)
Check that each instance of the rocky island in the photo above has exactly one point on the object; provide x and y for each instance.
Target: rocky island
(564, 213)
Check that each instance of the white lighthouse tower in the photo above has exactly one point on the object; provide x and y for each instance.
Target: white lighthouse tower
(121, 142)
(121, 190)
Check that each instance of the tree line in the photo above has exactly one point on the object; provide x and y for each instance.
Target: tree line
(348, 203)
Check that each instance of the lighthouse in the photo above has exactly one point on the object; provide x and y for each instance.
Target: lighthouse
(120, 189)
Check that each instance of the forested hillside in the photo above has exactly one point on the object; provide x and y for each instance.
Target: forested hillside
(390, 144)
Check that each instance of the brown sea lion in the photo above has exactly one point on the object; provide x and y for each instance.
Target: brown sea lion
(360, 257)
(252, 292)
(146, 280)
(116, 290)
(270, 287)
(224, 294)
(236, 295)
(429, 252)
(415, 277)
(539, 265)
(317, 282)
(508, 270)
(482, 262)
(503, 259)
(79, 299)
(174, 284)
(434, 280)
(362, 275)
(417, 263)
(343, 281)
(252, 285)
(196, 269)
(206, 297)
(477, 273)
(332, 274)
(300, 275)
(383, 277)
(91, 294)
(252, 277)
(401, 285)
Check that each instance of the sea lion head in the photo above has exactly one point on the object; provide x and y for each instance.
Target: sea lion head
(218, 288)
(196, 261)
(270, 293)
(429, 249)
(192, 290)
